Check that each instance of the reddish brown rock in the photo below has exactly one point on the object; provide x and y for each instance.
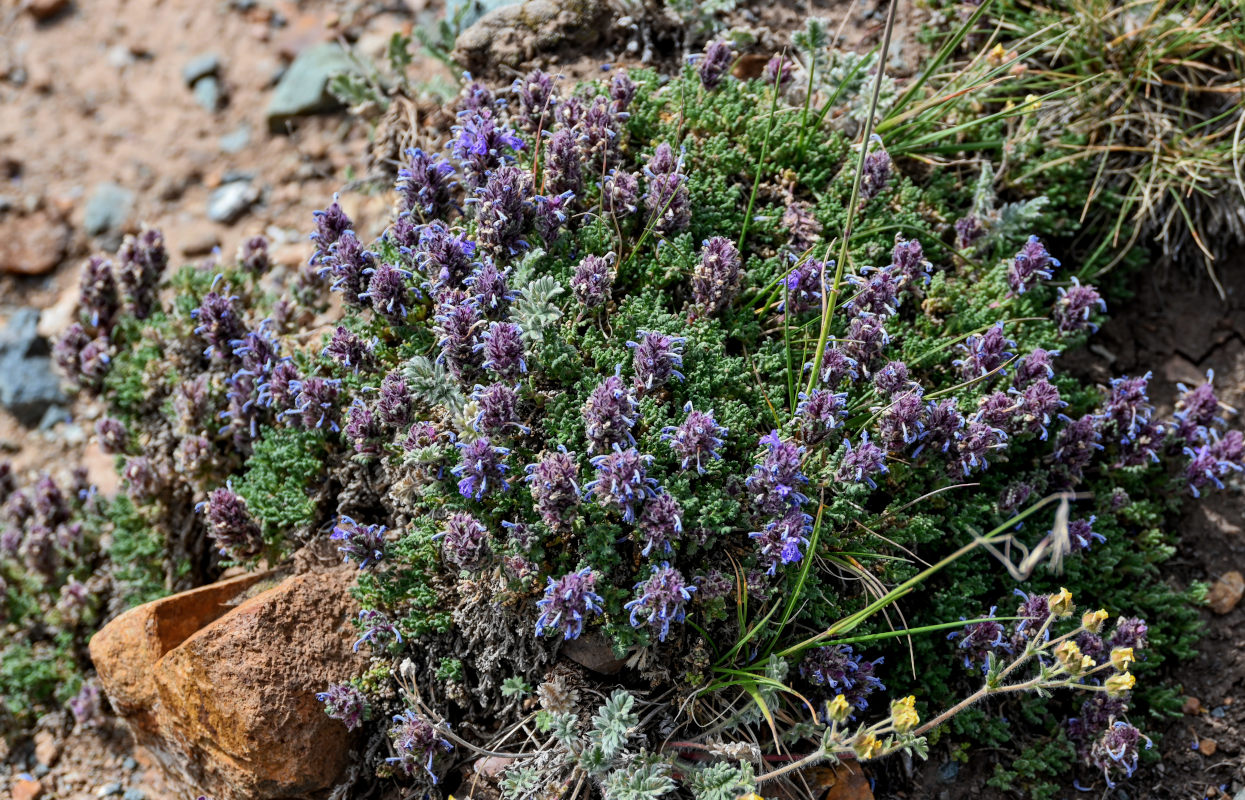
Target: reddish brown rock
(33, 244)
(27, 789)
(228, 706)
(45, 9)
(1226, 592)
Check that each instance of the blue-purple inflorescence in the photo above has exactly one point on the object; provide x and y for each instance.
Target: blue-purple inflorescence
(1074, 306)
(980, 641)
(781, 541)
(464, 542)
(553, 482)
(656, 358)
(362, 544)
(862, 462)
(714, 63)
(499, 410)
(1031, 264)
(502, 347)
(231, 526)
(667, 199)
(697, 439)
(593, 280)
(417, 744)
(567, 604)
(345, 703)
(610, 413)
(622, 480)
(776, 481)
(660, 523)
(985, 353)
(480, 468)
(820, 414)
(425, 185)
(841, 670)
(660, 600)
(717, 276)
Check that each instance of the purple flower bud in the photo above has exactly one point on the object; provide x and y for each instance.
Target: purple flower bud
(1130, 632)
(892, 378)
(550, 216)
(567, 603)
(621, 480)
(230, 525)
(344, 702)
(717, 276)
(1033, 367)
(393, 404)
(113, 436)
(563, 164)
(876, 174)
(1076, 442)
(660, 523)
(802, 288)
(1074, 305)
(331, 223)
(554, 488)
(782, 538)
(68, 350)
(315, 402)
(253, 256)
(349, 264)
(480, 468)
(417, 744)
(1081, 533)
(865, 341)
(655, 360)
(464, 542)
(909, 264)
(776, 480)
(843, 671)
(480, 144)
(1030, 264)
(537, 99)
(620, 193)
(667, 199)
(593, 279)
(836, 365)
(1036, 404)
(610, 413)
(51, 508)
(901, 423)
(696, 439)
(388, 292)
(257, 350)
(622, 90)
(193, 456)
(94, 362)
(1199, 409)
(1033, 611)
(503, 350)
(1128, 405)
(363, 544)
(425, 185)
(877, 294)
(862, 462)
(997, 410)
(975, 444)
(504, 210)
(457, 329)
(600, 126)
(378, 630)
(779, 71)
(487, 285)
(1116, 751)
(280, 389)
(985, 353)
(142, 479)
(87, 706)
(713, 65)
(661, 600)
(447, 258)
(981, 640)
(98, 293)
(363, 430)
(349, 350)
(499, 411)
(142, 260)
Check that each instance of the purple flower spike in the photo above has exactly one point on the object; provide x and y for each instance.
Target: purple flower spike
(876, 294)
(780, 71)
(661, 600)
(893, 378)
(1117, 751)
(1198, 410)
(281, 387)
(1036, 404)
(504, 210)
(567, 603)
(345, 703)
(553, 482)
(975, 444)
(388, 292)
(866, 339)
(98, 293)
(909, 263)
(480, 468)
(775, 482)
(622, 90)
(331, 223)
(980, 641)
(537, 100)
(901, 423)
(464, 542)
(667, 198)
(378, 630)
(503, 350)
(230, 524)
(802, 288)
(843, 671)
(1081, 534)
(862, 462)
(349, 264)
(315, 402)
(457, 329)
(1076, 442)
(836, 365)
(363, 544)
(551, 214)
(876, 174)
(620, 193)
(622, 481)
(1128, 405)
(943, 425)
(220, 322)
(1074, 305)
(487, 285)
(364, 430)
(1034, 366)
(660, 523)
(425, 185)
(446, 258)
(499, 409)
(696, 439)
(610, 413)
(782, 539)
(820, 413)
(142, 260)
(1030, 264)
(985, 352)
(713, 65)
(417, 744)
(481, 144)
(113, 436)
(717, 277)
(656, 359)
(349, 350)
(564, 164)
(968, 230)
(393, 405)
(593, 280)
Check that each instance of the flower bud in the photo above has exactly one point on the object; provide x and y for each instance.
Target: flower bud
(1069, 655)
(903, 713)
(1122, 657)
(1119, 683)
(867, 746)
(1093, 621)
(1061, 604)
(839, 709)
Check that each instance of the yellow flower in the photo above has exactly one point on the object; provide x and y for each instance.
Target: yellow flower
(1087, 664)
(839, 709)
(867, 746)
(903, 712)
(1119, 683)
(752, 796)
(1093, 621)
(1034, 101)
(999, 54)
(1121, 657)
(1069, 656)
(1061, 604)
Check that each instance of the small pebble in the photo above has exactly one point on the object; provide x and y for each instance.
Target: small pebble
(41, 770)
(129, 764)
(134, 794)
(1219, 712)
(109, 790)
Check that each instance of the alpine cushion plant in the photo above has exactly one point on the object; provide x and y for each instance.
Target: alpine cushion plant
(565, 409)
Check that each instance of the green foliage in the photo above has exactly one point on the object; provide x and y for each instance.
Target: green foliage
(136, 551)
(285, 464)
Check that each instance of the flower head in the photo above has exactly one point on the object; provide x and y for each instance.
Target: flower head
(622, 481)
(717, 276)
(780, 542)
(554, 488)
(656, 359)
(567, 603)
(1074, 305)
(776, 480)
(344, 702)
(363, 544)
(696, 439)
(480, 468)
(714, 63)
(464, 541)
(660, 600)
(841, 669)
(1030, 264)
(417, 744)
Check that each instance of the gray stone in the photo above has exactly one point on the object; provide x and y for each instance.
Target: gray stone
(228, 203)
(30, 386)
(107, 209)
(129, 765)
(236, 140)
(109, 789)
(512, 36)
(134, 794)
(208, 93)
(53, 417)
(201, 66)
(303, 88)
(472, 10)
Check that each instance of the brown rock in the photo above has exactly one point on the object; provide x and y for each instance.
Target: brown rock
(32, 245)
(230, 708)
(27, 789)
(1192, 706)
(592, 651)
(845, 781)
(1226, 592)
(47, 748)
(513, 35)
(198, 240)
(1207, 747)
(45, 9)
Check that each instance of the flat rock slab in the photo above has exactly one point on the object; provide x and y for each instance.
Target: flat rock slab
(219, 683)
